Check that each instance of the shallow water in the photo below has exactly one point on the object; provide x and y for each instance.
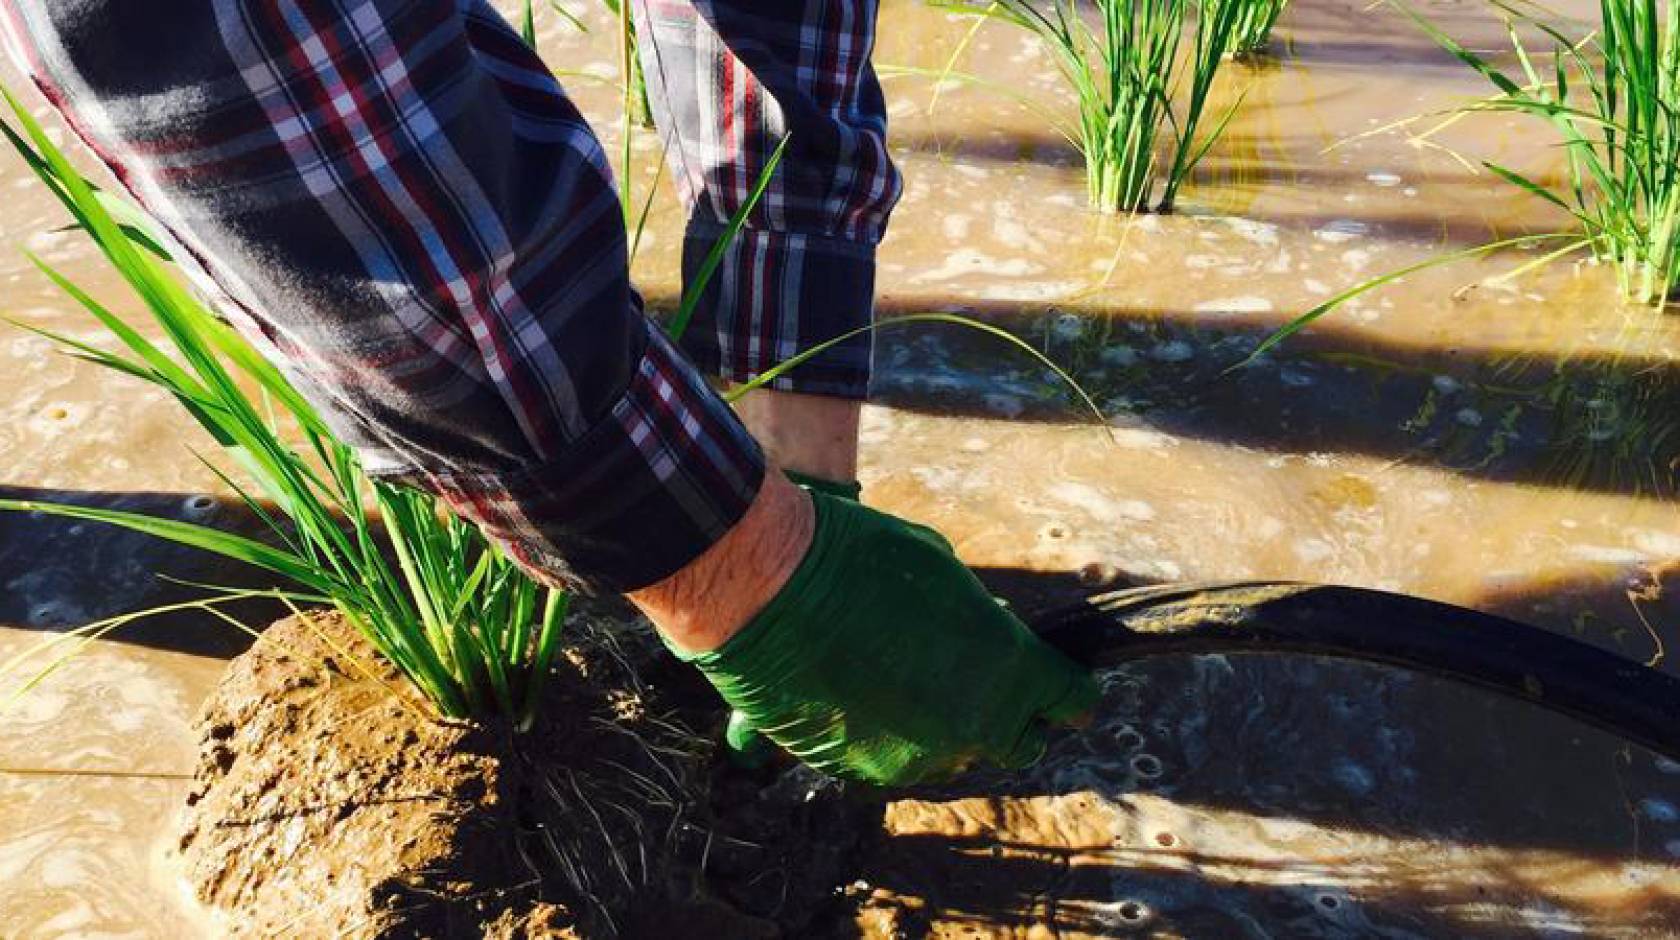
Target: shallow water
(1247, 797)
(1502, 446)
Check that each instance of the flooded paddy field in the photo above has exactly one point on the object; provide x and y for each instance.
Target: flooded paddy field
(1506, 446)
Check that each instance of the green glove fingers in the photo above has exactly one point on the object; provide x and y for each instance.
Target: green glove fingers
(747, 747)
(884, 659)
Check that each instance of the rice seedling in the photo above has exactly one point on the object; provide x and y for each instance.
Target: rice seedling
(1253, 30)
(637, 107)
(1614, 99)
(528, 20)
(472, 631)
(1136, 84)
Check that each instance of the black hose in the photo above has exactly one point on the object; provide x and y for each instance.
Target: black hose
(1629, 700)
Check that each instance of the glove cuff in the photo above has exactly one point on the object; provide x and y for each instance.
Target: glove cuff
(852, 490)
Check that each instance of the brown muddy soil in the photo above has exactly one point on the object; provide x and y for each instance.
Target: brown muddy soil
(327, 804)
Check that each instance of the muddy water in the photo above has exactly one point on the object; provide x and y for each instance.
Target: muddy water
(1507, 446)
(1228, 798)
(1503, 445)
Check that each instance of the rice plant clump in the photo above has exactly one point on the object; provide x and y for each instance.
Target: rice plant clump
(1614, 99)
(1255, 19)
(471, 630)
(1139, 90)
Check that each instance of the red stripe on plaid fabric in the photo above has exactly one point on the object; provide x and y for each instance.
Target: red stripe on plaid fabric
(766, 303)
(728, 120)
(689, 421)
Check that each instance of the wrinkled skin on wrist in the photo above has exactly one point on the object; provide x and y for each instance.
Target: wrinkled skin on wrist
(884, 659)
(708, 600)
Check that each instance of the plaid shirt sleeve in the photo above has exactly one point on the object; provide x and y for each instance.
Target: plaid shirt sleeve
(728, 78)
(395, 202)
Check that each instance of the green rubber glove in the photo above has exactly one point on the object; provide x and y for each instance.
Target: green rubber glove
(748, 748)
(884, 659)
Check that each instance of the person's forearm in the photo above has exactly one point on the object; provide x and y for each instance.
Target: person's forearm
(404, 212)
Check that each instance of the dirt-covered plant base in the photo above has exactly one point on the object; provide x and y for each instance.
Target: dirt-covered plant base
(323, 806)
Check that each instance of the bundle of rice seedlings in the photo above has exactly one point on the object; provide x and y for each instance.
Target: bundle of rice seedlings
(473, 632)
(1613, 97)
(1137, 86)
(1255, 19)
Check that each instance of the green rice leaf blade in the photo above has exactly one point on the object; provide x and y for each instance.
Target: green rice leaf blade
(714, 257)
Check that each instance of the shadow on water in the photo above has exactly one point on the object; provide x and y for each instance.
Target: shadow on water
(1232, 181)
(1005, 149)
(1588, 421)
(1012, 148)
(1585, 604)
(1357, 56)
(64, 573)
(1347, 36)
(1031, 885)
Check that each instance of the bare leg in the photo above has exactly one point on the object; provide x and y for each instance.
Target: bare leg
(816, 435)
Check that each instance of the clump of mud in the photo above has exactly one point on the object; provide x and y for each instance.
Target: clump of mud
(328, 803)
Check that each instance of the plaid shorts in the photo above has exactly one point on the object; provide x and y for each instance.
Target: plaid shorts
(397, 203)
